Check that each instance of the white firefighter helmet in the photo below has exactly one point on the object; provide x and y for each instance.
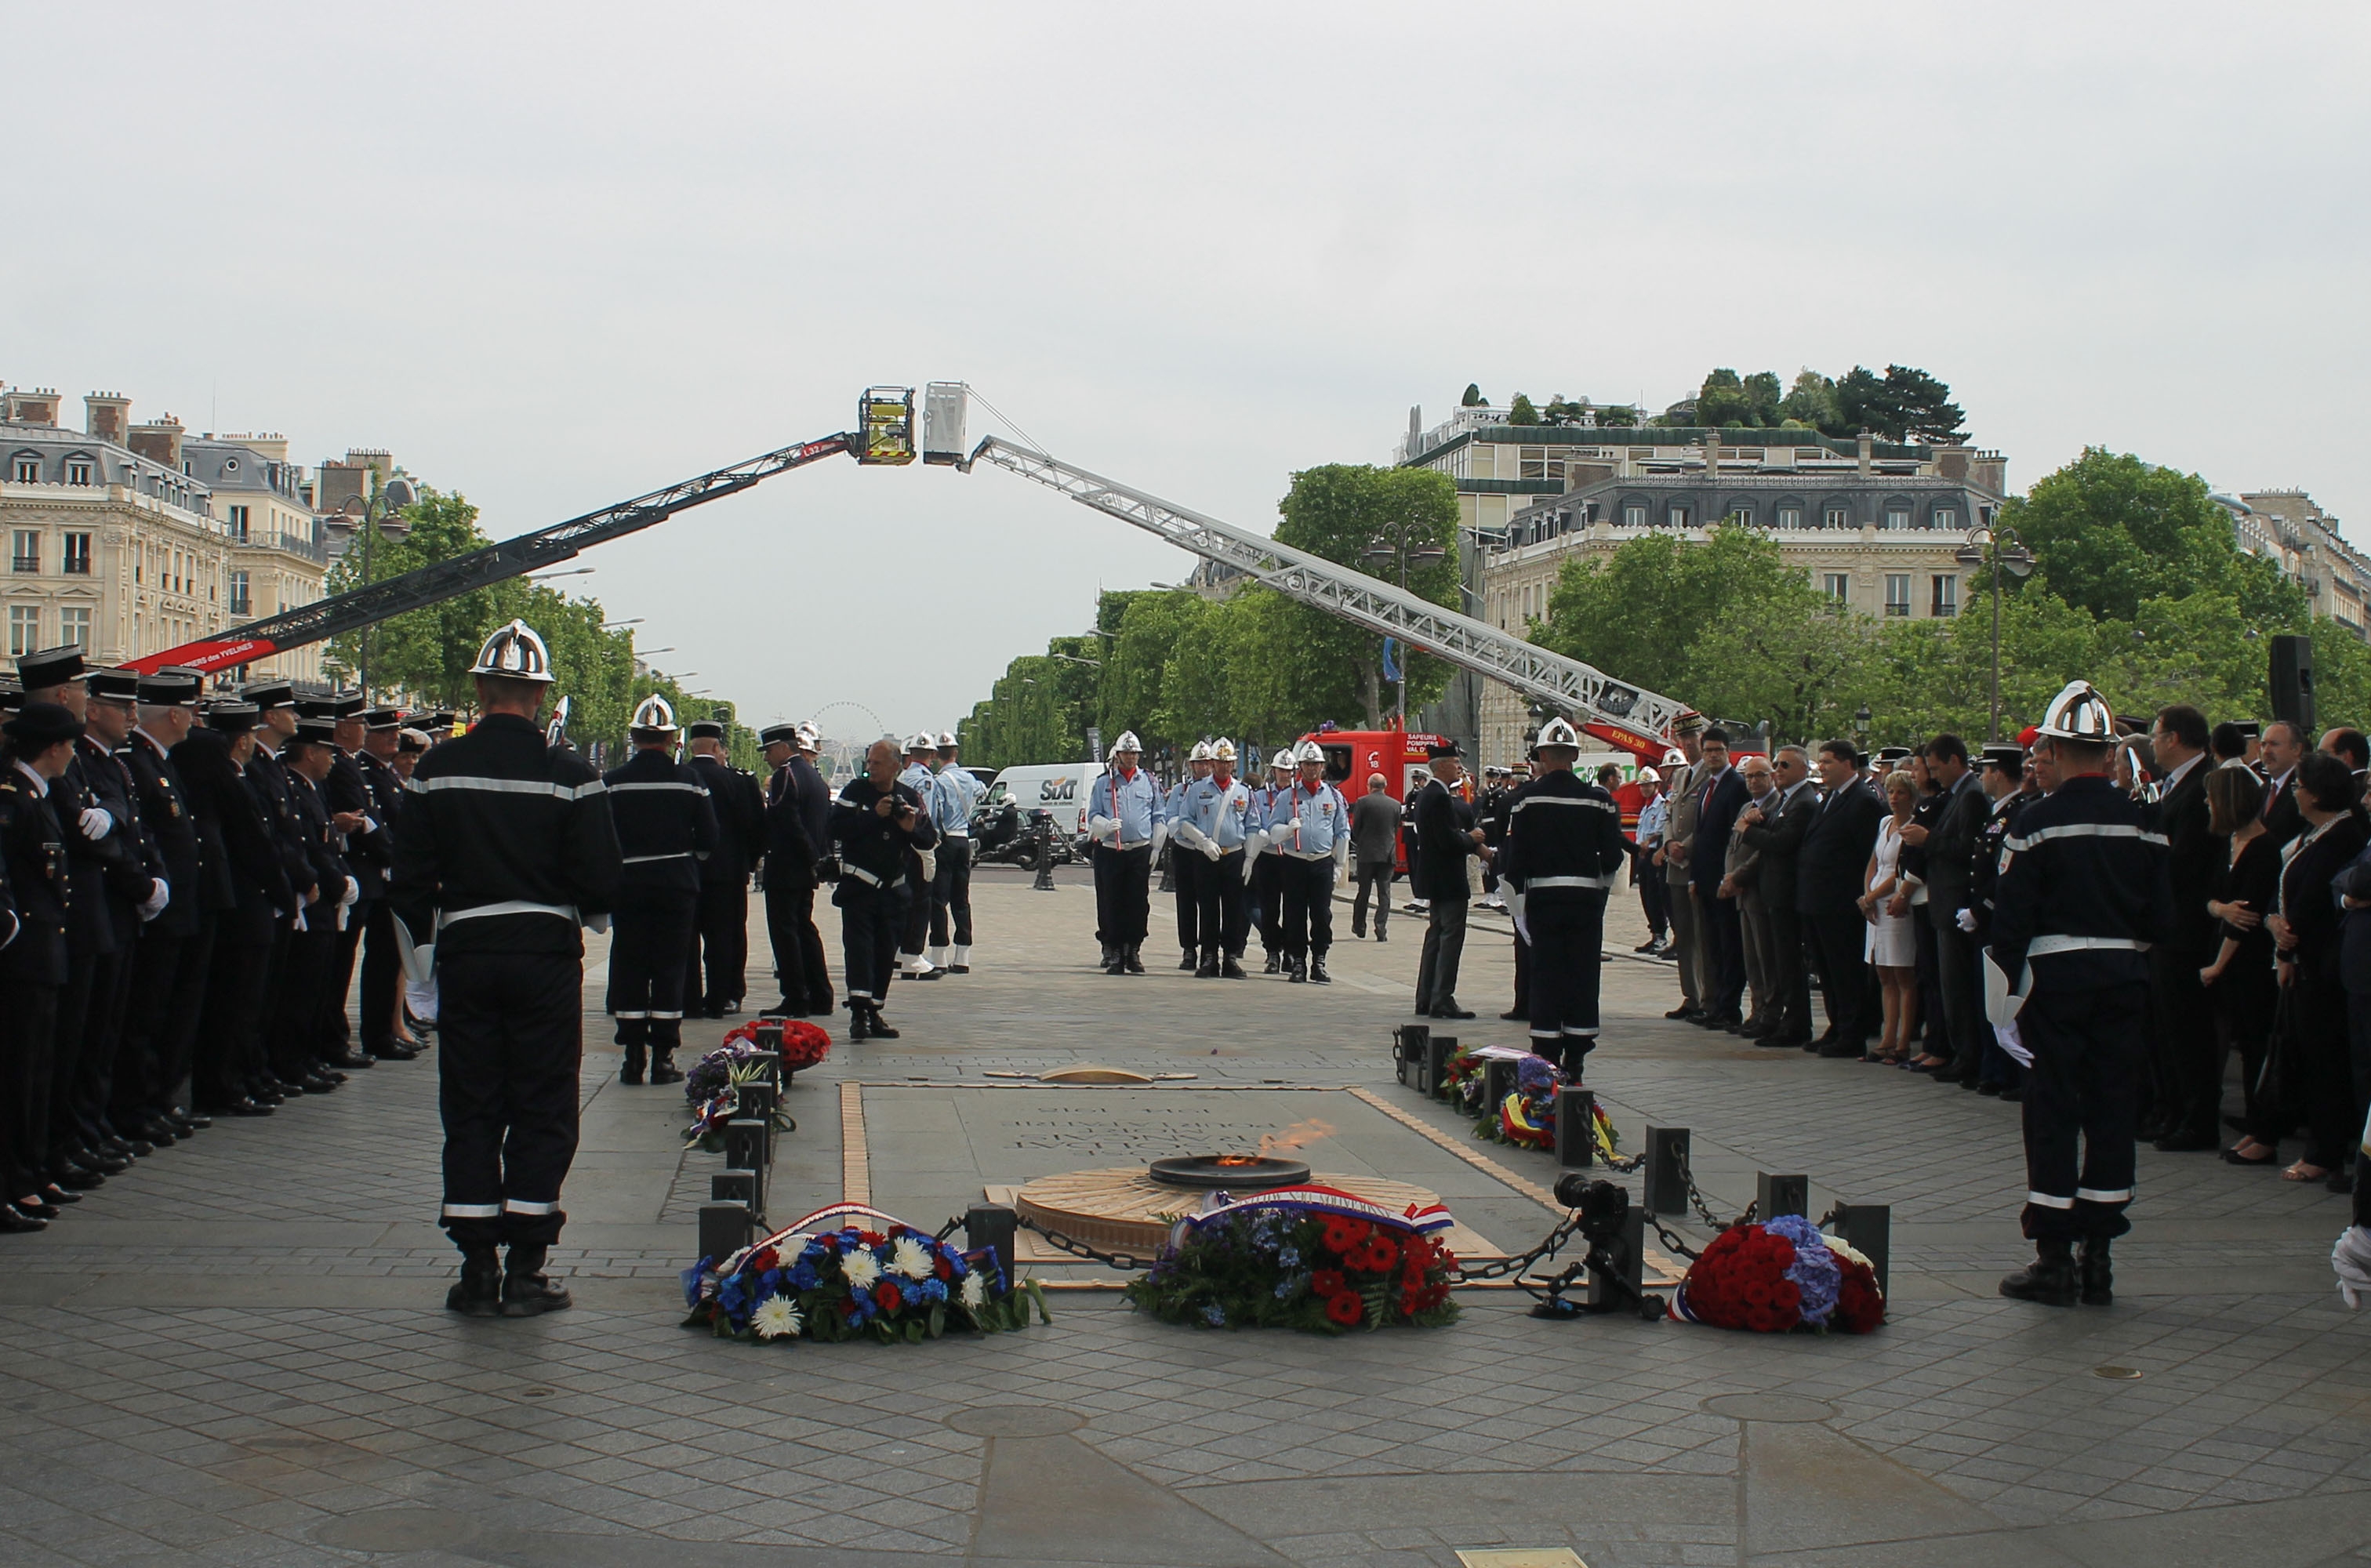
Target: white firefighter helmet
(1307, 751)
(1556, 732)
(810, 738)
(1282, 763)
(2079, 713)
(1201, 751)
(516, 652)
(653, 716)
(947, 741)
(1674, 757)
(919, 741)
(1126, 743)
(1223, 749)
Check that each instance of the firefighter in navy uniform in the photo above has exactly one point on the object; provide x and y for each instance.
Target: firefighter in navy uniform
(170, 960)
(382, 970)
(721, 928)
(232, 1063)
(880, 825)
(792, 850)
(365, 846)
(2003, 779)
(666, 828)
(1564, 847)
(2082, 895)
(506, 849)
(40, 738)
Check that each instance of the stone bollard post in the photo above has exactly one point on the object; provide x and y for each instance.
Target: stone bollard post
(1775, 1195)
(993, 1225)
(1666, 1170)
(1575, 1126)
(724, 1229)
(1868, 1229)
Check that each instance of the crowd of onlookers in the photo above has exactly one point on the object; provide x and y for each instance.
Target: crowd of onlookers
(1872, 876)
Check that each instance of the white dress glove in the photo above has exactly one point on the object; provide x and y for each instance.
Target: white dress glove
(9, 927)
(1211, 847)
(351, 897)
(160, 895)
(1102, 828)
(1966, 920)
(96, 823)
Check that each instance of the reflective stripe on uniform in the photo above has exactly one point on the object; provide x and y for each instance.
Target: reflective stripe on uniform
(472, 1211)
(512, 907)
(860, 874)
(2042, 946)
(2046, 1201)
(2092, 1195)
(1590, 800)
(655, 1013)
(1532, 885)
(525, 1205)
(507, 786)
(660, 784)
(2084, 830)
(646, 859)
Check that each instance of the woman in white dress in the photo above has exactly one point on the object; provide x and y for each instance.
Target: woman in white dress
(1892, 940)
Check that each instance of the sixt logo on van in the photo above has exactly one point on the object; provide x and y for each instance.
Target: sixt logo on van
(1057, 789)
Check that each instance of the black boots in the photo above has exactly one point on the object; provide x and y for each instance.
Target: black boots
(877, 1026)
(1191, 959)
(1133, 960)
(1297, 970)
(662, 1067)
(526, 1291)
(1231, 966)
(1110, 963)
(479, 1292)
(859, 1023)
(2050, 1279)
(632, 1073)
(1209, 968)
(1317, 974)
(2098, 1278)
(1275, 963)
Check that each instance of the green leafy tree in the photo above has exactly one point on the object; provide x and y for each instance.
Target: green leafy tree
(2111, 532)
(1340, 510)
(1918, 408)
(1520, 411)
(1791, 658)
(1619, 415)
(1637, 613)
(1812, 401)
(1721, 400)
(1473, 398)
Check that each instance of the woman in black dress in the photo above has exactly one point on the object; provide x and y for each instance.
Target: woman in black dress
(2305, 931)
(2239, 982)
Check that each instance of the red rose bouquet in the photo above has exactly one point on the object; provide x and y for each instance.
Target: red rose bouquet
(1779, 1276)
(1309, 1257)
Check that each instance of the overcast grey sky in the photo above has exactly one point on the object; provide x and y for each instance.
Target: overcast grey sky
(556, 256)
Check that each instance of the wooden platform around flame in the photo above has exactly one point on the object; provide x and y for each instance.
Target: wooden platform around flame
(1128, 1211)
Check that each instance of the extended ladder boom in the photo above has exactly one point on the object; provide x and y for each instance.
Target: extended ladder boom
(1567, 686)
(433, 584)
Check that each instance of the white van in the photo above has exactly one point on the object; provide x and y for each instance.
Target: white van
(1059, 787)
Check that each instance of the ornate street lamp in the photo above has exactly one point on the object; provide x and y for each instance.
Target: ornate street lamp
(2000, 548)
(382, 511)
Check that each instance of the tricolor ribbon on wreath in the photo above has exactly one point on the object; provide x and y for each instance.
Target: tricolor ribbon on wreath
(1422, 1219)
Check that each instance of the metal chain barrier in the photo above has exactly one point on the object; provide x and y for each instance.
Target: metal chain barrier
(1549, 1248)
(1126, 1261)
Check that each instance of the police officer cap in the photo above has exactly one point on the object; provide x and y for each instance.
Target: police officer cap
(1894, 753)
(779, 736)
(42, 724)
(113, 685)
(314, 733)
(346, 705)
(705, 729)
(171, 687)
(12, 694)
(441, 722)
(315, 703)
(51, 666)
(412, 740)
(232, 718)
(268, 693)
(2008, 759)
(383, 718)
(1439, 749)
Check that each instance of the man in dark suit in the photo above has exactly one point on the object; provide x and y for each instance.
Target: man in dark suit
(2283, 746)
(1444, 825)
(176, 946)
(1949, 847)
(2188, 1101)
(1720, 794)
(720, 930)
(794, 842)
(1827, 871)
(1774, 828)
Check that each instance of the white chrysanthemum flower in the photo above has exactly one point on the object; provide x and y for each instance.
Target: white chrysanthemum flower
(860, 1268)
(909, 1257)
(776, 1317)
(975, 1290)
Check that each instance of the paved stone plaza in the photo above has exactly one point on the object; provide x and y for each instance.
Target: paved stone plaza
(237, 1354)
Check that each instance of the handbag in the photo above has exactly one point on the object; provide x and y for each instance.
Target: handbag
(2282, 1076)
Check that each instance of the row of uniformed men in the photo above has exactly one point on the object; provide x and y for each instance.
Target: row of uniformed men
(186, 894)
(1279, 848)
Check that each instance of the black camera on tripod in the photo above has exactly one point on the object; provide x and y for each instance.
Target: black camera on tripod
(1613, 1270)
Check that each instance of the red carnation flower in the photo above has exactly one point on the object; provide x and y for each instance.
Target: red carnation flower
(1328, 1281)
(1383, 1251)
(764, 1258)
(885, 1296)
(1342, 1233)
(871, 1238)
(944, 1269)
(1346, 1309)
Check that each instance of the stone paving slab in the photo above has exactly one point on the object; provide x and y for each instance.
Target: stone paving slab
(234, 1355)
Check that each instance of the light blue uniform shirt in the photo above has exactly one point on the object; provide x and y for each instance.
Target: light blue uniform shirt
(1323, 818)
(954, 794)
(919, 778)
(1654, 821)
(1218, 814)
(1135, 803)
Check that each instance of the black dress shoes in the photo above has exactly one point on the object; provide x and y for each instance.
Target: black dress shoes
(394, 1052)
(15, 1223)
(1717, 1020)
(1516, 1015)
(1685, 1013)
(1452, 1011)
(350, 1059)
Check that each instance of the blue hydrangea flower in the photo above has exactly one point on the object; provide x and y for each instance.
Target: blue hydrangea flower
(1814, 1271)
(1214, 1316)
(804, 1277)
(929, 1290)
(1288, 1256)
